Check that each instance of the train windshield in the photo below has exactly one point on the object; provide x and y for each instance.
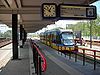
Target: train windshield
(67, 38)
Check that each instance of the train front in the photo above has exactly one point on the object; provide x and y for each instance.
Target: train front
(67, 39)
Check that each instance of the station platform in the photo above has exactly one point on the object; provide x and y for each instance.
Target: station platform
(16, 67)
(57, 64)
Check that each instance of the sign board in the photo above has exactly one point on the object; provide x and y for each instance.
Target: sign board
(77, 12)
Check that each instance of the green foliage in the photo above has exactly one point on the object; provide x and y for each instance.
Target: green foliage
(1, 34)
(84, 27)
(7, 34)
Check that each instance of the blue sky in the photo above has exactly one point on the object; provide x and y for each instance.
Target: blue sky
(97, 4)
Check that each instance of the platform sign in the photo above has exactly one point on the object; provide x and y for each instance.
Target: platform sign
(77, 12)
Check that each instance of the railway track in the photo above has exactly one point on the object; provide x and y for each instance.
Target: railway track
(4, 43)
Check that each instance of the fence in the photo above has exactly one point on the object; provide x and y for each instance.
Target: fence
(38, 59)
(91, 53)
(86, 52)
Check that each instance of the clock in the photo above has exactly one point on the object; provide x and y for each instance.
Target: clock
(49, 10)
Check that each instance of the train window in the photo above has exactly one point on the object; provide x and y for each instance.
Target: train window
(67, 35)
(67, 38)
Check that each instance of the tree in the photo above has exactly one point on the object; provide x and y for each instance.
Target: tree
(1, 34)
(8, 34)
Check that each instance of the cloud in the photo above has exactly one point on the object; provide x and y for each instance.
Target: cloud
(4, 28)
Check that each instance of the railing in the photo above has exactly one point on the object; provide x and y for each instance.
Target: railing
(38, 59)
(86, 53)
(94, 41)
(91, 53)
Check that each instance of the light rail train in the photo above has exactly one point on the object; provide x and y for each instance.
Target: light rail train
(59, 39)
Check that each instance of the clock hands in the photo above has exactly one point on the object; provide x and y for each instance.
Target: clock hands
(49, 10)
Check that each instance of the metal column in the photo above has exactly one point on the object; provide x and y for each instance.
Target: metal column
(25, 35)
(90, 34)
(15, 36)
(21, 32)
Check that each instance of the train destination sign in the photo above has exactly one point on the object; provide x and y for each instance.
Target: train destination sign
(77, 12)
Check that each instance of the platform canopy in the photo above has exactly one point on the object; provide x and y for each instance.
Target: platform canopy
(29, 12)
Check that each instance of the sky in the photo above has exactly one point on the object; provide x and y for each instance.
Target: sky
(97, 4)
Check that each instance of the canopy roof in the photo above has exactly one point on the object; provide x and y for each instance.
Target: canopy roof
(30, 12)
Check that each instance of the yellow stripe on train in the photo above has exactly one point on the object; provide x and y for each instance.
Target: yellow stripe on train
(62, 48)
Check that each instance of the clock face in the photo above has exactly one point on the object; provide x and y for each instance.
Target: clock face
(49, 10)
